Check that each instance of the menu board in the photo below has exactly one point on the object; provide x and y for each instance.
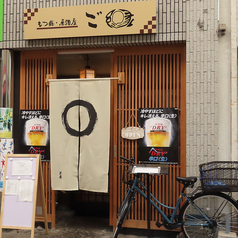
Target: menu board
(23, 181)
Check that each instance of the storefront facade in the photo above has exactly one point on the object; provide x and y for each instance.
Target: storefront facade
(177, 67)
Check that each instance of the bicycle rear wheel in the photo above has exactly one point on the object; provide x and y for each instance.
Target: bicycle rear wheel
(123, 212)
(221, 209)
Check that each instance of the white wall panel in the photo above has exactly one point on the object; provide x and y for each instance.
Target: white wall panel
(202, 82)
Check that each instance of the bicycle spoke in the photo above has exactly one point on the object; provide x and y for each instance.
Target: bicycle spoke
(233, 223)
(217, 207)
(220, 209)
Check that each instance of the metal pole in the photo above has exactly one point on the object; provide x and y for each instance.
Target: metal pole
(148, 204)
(228, 221)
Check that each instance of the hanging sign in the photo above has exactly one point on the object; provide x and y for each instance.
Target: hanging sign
(91, 20)
(80, 134)
(161, 141)
(132, 133)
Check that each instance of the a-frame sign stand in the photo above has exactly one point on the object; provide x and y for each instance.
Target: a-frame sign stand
(23, 193)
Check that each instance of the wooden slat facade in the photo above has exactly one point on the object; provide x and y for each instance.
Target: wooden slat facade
(154, 78)
(34, 95)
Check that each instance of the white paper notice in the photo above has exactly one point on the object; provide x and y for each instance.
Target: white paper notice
(21, 167)
(11, 187)
(26, 189)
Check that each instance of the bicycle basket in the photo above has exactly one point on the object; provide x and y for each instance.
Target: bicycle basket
(219, 176)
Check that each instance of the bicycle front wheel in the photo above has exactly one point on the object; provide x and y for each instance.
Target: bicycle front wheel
(221, 209)
(123, 212)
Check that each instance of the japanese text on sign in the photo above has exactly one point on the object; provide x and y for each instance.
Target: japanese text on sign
(120, 18)
(33, 115)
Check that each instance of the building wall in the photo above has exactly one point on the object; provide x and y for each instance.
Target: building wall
(233, 79)
(202, 83)
(171, 27)
(193, 21)
(224, 75)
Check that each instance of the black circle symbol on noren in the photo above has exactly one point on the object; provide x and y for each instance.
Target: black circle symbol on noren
(92, 118)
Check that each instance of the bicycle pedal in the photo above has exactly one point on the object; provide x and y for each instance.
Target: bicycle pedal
(158, 224)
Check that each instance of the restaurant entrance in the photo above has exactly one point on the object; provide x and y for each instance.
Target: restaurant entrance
(154, 77)
(69, 64)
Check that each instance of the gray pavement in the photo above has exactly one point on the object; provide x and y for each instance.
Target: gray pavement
(70, 226)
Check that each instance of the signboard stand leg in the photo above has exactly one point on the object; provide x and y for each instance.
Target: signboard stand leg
(41, 185)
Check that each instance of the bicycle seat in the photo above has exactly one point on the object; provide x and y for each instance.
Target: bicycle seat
(187, 181)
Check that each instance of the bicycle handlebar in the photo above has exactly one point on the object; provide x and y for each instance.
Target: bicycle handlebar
(129, 161)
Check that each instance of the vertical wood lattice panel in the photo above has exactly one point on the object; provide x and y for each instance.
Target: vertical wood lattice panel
(153, 79)
(34, 95)
(34, 91)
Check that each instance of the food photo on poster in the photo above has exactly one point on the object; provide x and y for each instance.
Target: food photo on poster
(34, 125)
(161, 141)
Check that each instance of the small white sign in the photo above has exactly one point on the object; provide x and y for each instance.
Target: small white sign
(146, 170)
(132, 133)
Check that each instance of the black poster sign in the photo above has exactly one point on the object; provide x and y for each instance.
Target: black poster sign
(34, 126)
(161, 141)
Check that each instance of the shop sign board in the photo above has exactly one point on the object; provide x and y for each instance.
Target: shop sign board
(34, 126)
(161, 141)
(91, 20)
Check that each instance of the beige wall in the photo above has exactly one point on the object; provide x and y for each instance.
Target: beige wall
(202, 83)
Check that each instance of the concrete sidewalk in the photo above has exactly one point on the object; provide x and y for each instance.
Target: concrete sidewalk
(70, 226)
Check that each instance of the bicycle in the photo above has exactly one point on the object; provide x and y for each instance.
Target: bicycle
(204, 214)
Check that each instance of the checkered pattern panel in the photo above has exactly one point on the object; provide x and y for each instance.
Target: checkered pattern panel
(28, 14)
(150, 27)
